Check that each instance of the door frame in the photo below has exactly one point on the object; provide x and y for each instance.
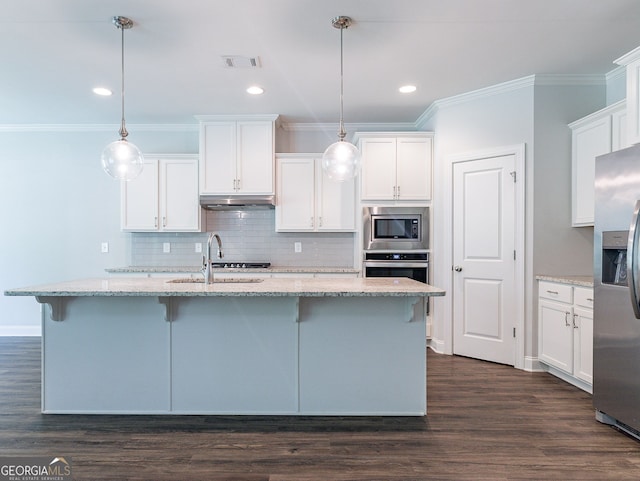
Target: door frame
(518, 151)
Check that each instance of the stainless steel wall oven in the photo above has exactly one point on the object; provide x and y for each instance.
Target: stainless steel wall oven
(396, 242)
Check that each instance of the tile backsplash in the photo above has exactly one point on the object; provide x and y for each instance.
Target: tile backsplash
(247, 235)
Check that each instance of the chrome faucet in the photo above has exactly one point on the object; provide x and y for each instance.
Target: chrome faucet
(207, 268)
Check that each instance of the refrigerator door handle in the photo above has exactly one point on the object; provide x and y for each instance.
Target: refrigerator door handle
(632, 259)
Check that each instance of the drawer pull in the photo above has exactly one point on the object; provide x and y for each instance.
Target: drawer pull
(589, 299)
(552, 292)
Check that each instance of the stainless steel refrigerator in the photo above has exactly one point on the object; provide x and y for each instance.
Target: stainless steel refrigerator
(616, 330)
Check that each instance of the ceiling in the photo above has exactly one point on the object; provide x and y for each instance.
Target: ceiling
(54, 52)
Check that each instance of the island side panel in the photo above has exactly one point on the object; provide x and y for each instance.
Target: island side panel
(107, 355)
(235, 355)
(362, 356)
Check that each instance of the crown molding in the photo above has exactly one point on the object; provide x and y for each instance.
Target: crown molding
(511, 85)
(628, 57)
(616, 73)
(97, 127)
(353, 127)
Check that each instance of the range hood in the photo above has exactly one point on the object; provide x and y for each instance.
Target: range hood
(230, 202)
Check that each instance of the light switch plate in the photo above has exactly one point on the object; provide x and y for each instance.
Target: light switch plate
(198, 246)
(297, 247)
(104, 247)
(166, 247)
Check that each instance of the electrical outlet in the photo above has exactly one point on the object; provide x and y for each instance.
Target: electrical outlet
(198, 246)
(297, 247)
(104, 247)
(166, 247)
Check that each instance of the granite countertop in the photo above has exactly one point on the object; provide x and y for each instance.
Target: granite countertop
(196, 269)
(271, 287)
(582, 281)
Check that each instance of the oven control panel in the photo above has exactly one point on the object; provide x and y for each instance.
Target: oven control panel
(396, 256)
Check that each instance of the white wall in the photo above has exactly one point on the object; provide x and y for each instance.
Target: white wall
(465, 124)
(57, 206)
(520, 112)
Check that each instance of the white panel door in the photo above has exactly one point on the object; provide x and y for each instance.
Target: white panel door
(484, 287)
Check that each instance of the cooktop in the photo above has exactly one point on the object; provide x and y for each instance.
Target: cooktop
(241, 265)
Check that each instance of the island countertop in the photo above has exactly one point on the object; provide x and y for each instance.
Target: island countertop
(272, 287)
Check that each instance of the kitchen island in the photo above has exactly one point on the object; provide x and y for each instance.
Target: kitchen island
(330, 346)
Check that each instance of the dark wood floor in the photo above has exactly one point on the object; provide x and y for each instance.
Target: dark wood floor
(484, 422)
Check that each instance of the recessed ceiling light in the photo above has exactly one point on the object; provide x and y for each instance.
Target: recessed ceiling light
(102, 91)
(255, 90)
(407, 89)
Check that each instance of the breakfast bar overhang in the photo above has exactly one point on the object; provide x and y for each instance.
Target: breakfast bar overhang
(274, 347)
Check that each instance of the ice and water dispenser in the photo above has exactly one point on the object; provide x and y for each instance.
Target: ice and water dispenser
(614, 257)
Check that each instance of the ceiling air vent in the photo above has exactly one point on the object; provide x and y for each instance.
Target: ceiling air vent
(236, 61)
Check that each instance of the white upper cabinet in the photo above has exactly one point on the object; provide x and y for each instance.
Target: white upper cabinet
(164, 197)
(632, 63)
(396, 166)
(599, 133)
(237, 154)
(308, 201)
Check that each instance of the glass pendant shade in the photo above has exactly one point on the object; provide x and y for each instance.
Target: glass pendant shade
(122, 160)
(341, 161)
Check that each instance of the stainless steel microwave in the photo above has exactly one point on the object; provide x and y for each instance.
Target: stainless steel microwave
(395, 228)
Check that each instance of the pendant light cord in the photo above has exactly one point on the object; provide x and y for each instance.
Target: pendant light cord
(342, 133)
(123, 128)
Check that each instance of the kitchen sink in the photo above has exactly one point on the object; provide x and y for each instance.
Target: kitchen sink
(224, 280)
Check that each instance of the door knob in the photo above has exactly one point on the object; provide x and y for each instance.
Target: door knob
(457, 268)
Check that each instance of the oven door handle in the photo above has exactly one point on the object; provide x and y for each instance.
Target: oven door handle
(399, 264)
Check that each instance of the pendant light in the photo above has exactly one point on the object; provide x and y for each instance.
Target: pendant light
(341, 160)
(121, 159)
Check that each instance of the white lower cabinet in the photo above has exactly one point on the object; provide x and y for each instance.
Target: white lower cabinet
(565, 332)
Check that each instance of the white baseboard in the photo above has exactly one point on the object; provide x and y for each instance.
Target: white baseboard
(14, 331)
(436, 345)
(532, 364)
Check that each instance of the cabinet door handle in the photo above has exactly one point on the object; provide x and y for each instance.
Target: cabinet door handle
(575, 325)
(398, 191)
(566, 318)
(155, 221)
(320, 221)
(394, 192)
(311, 222)
(237, 184)
(164, 221)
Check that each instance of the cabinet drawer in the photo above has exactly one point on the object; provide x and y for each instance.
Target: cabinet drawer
(583, 296)
(557, 292)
